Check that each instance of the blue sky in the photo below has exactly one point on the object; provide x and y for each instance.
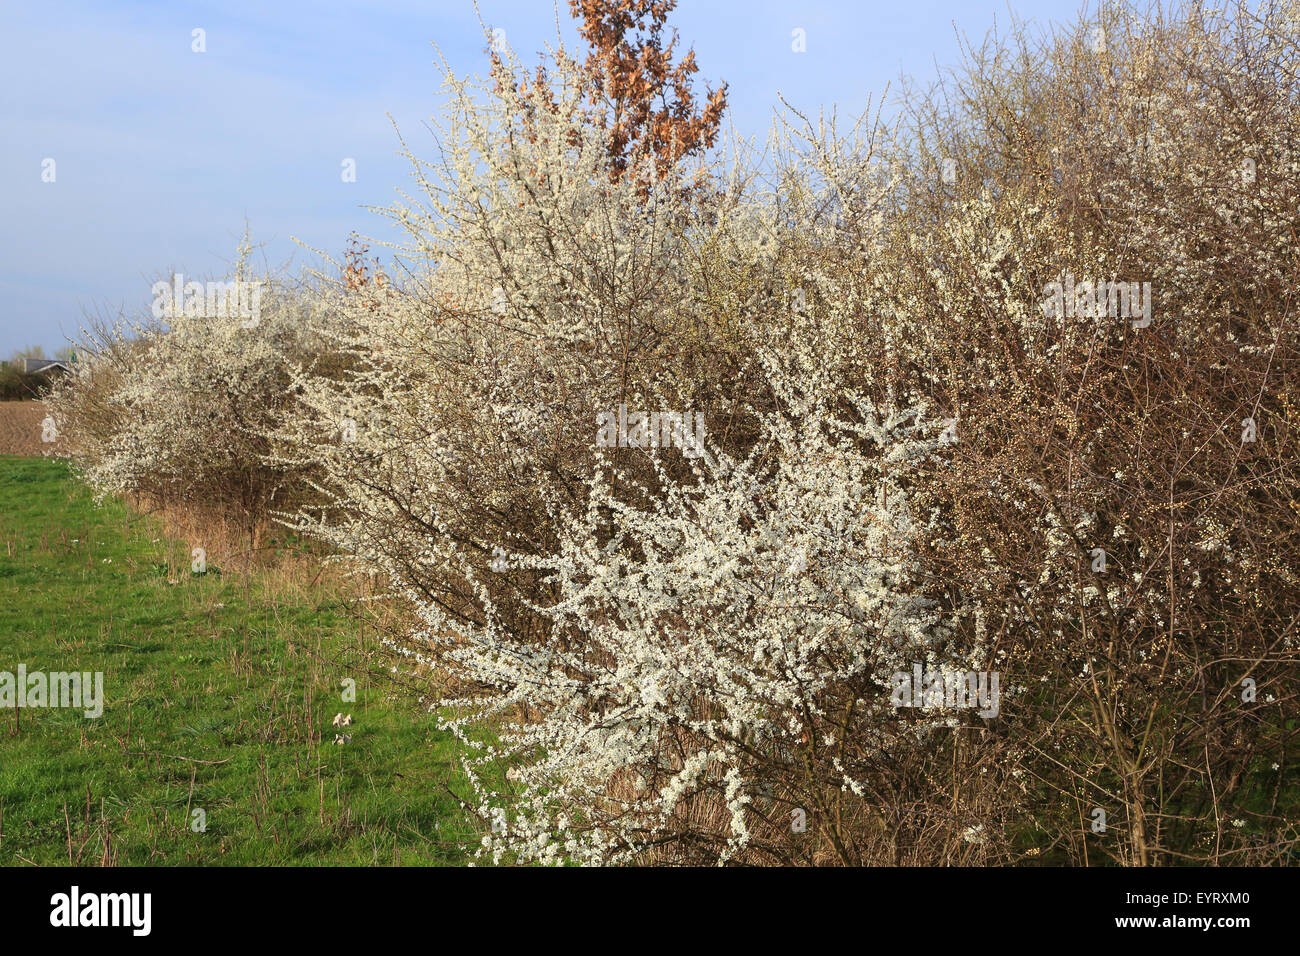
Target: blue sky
(162, 154)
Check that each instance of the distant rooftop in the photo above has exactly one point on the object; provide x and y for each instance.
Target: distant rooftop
(44, 365)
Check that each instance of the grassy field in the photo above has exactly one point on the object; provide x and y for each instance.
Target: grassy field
(220, 692)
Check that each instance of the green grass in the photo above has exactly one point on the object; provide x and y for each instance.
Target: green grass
(220, 692)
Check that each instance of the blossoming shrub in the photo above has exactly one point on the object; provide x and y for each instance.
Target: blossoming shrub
(683, 648)
(536, 294)
(1006, 388)
(1124, 484)
(177, 410)
(715, 656)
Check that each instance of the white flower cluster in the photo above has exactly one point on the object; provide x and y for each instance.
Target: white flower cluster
(181, 411)
(695, 641)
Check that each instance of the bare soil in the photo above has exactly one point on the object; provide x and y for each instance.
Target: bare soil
(20, 429)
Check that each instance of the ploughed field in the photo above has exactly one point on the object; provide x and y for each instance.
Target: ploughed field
(20, 429)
